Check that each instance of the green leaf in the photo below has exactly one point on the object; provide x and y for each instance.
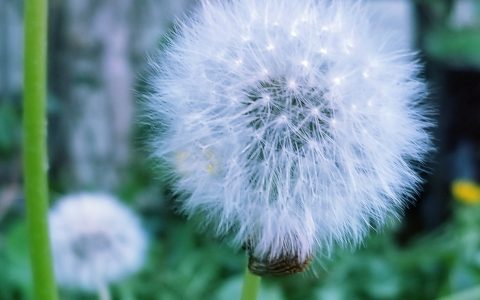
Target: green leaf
(9, 124)
(454, 47)
(17, 269)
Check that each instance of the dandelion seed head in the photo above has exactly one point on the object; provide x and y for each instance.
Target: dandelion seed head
(319, 143)
(95, 241)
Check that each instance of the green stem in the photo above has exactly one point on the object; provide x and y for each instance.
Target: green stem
(35, 148)
(251, 286)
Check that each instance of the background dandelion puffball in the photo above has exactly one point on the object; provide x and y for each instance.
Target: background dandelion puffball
(96, 240)
(291, 126)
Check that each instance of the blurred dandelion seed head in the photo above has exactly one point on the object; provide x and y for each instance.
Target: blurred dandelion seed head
(291, 125)
(96, 240)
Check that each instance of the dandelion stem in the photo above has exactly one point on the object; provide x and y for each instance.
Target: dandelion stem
(104, 293)
(35, 148)
(251, 285)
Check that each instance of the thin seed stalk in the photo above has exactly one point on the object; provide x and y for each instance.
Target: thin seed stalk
(35, 162)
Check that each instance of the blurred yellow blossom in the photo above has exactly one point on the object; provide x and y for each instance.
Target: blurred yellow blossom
(466, 191)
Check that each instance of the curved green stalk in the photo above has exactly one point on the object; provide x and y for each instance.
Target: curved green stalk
(35, 148)
(251, 286)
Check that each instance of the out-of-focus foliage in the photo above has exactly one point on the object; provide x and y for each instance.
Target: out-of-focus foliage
(9, 129)
(15, 278)
(461, 47)
(452, 31)
(184, 264)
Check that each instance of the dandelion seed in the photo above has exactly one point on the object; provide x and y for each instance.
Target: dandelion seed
(305, 63)
(296, 176)
(337, 81)
(292, 84)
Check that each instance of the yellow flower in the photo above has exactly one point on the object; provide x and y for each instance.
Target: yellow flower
(466, 191)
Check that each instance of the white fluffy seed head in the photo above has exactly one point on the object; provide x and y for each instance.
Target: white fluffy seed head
(291, 126)
(96, 240)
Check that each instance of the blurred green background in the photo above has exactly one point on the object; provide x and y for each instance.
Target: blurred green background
(97, 65)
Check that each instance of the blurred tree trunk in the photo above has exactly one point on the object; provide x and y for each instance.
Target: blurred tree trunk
(11, 57)
(11, 32)
(94, 79)
(97, 50)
